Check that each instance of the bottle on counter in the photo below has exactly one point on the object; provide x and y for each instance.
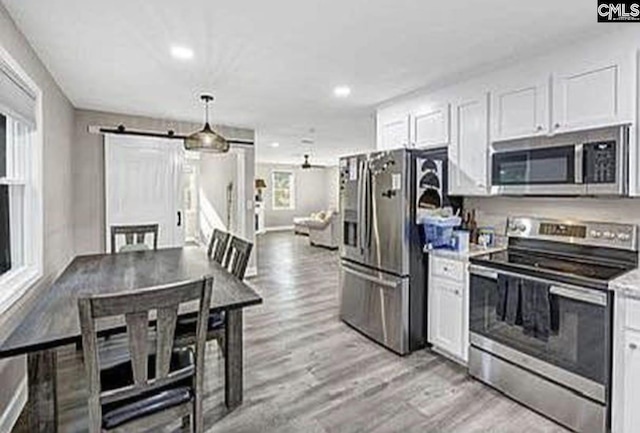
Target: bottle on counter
(465, 221)
(473, 227)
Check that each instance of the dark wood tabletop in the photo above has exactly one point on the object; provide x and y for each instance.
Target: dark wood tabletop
(53, 319)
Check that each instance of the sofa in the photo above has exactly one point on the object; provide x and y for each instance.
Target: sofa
(301, 225)
(322, 228)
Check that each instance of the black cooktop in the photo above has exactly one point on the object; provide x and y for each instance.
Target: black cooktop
(572, 270)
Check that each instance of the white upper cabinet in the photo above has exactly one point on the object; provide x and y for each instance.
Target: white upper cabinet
(520, 110)
(592, 94)
(393, 131)
(430, 126)
(468, 152)
(421, 124)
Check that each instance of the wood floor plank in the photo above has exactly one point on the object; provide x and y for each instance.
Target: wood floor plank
(306, 371)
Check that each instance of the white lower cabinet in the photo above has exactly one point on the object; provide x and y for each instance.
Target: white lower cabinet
(448, 317)
(626, 370)
(631, 399)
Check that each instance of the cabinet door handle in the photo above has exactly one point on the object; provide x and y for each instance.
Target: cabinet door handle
(633, 346)
(557, 125)
(539, 128)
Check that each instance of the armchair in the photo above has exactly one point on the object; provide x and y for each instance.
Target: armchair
(324, 230)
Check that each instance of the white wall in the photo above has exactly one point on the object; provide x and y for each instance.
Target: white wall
(315, 190)
(57, 126)
(216, 172)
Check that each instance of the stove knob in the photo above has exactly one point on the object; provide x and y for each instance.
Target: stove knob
(521, 228)
(624, 236)
(609, 235)
(595, 234)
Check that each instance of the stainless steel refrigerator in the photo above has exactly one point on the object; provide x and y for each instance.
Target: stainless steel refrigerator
(383, 283)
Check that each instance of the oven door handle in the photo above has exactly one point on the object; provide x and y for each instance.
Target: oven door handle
(580, 294)
(590, 296)
(483, 272)
(579, 163)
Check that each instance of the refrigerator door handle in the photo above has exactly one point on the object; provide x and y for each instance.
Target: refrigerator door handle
(368, 214)
(360, 205)
(371, 278)
(367, 203)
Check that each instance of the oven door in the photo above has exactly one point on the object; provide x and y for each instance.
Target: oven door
(576, 353)
(539, 171)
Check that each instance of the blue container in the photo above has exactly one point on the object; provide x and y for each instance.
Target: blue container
(438, 231)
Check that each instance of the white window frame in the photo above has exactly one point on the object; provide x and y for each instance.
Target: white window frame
(16, 282)
(292, 190)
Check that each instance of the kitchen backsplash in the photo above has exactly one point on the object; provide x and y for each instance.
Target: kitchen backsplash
(493, 211)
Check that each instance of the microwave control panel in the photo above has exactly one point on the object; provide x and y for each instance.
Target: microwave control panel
(600, 162)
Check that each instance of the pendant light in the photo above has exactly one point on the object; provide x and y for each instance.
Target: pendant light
(206, 140)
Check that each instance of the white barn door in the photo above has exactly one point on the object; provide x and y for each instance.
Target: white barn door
(144, 185)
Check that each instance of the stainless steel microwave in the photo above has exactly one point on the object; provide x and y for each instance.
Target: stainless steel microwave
(592, 163)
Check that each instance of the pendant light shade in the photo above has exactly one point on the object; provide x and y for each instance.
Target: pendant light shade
(206, 140)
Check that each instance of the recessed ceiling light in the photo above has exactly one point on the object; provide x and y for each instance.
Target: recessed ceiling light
(342, 91)
(181, 52)
(275, 144)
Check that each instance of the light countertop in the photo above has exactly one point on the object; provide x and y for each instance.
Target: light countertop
(629, 282)
(474, 250)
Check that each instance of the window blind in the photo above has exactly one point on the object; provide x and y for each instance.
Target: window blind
(16, 99)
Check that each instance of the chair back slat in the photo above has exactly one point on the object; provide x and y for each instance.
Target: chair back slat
(134, 232)
(237, 257)
(137, 307)
(167, 318)
(137, 330)
(218, 245)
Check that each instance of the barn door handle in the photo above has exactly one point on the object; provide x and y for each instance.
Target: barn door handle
(179, 218)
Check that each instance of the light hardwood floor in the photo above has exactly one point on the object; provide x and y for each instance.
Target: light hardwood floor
(307, 372)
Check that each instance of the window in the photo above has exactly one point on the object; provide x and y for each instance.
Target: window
(20, 183)
(283, 191)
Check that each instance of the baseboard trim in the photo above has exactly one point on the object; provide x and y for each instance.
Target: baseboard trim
(10, 416)
(278, 228)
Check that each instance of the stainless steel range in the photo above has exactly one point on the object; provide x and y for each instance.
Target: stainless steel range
(541, 316)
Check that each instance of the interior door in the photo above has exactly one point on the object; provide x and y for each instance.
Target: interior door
(144, 185)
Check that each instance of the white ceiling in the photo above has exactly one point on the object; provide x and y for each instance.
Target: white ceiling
(273, 64)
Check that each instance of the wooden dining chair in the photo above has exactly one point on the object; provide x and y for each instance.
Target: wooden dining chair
(237, 257)
(218, 245)
(235, 262)
(151, 387)
(134, 237)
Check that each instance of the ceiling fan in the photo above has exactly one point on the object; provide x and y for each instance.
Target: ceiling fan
(308, 142)
(307, 165)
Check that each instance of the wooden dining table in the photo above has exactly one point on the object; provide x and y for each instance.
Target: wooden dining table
(53, 321)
